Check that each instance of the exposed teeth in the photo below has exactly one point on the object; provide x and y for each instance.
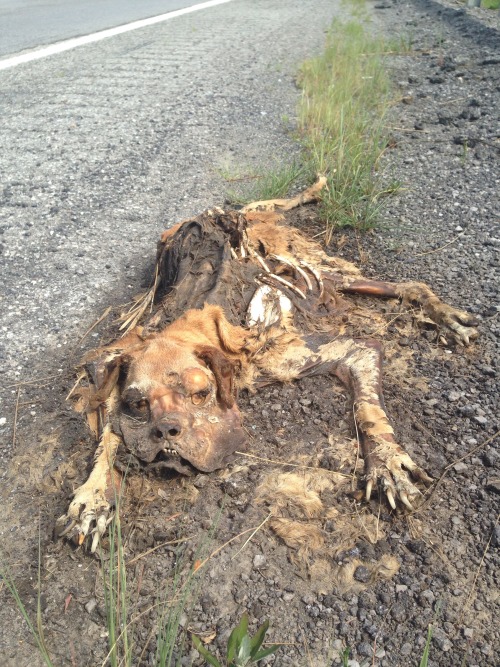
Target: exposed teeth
(170, 451)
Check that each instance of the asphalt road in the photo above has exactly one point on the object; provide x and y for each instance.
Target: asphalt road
(104, 146)
(25, 24)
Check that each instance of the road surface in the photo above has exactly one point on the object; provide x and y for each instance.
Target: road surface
(105, 145)
(25, 24)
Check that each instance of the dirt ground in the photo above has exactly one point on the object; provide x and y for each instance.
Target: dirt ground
(381, 577)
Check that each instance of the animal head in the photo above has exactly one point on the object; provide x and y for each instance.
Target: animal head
(174, 397)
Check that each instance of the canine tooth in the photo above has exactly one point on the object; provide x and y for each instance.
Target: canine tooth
(168, 450)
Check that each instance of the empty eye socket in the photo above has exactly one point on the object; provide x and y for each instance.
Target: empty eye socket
(137, 407)
(141, 406)
(200, 397)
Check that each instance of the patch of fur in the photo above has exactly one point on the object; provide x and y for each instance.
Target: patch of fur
(296, 492)
(342, 576)
(30, 468)
(300, 516)
(305, 537)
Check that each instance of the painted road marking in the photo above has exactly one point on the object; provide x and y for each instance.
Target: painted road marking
(67, 44)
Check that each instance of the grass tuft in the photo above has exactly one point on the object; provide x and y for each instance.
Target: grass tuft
(346, 94)
(36, 630)
(273, 183)
(174, 603)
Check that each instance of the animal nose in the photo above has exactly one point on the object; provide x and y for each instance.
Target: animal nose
(168, 429)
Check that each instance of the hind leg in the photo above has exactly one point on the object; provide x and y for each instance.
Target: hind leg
(459, 323)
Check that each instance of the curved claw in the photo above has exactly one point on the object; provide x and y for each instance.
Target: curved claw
(390, 498)
(69, 524)
(421, 475)
(95, 541)
(102, 523)
(85, 523)
(87, 514)
(369, 488)
(462, 326)
(404, 499)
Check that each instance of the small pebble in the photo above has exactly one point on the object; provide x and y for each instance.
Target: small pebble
(91, 605)
(259, 560)
(362, 574)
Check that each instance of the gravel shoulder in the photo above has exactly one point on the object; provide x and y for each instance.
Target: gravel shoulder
(88, 187)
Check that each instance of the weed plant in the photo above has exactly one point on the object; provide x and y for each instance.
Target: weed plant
(242, 649)
(35, 629)
(345, 97)
(271, 183)
(174, 602)
(346, 94)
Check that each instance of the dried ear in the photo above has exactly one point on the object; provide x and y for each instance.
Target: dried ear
(223, 370)
(105, 365)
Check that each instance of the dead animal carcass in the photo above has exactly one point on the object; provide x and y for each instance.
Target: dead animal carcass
(240, 299)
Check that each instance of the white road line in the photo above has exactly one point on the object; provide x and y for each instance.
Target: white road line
(68, 44)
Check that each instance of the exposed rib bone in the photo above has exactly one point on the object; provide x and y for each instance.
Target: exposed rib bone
(305, 276)
(294, 266)
(316, 274)
(287, 284)
(261, 261)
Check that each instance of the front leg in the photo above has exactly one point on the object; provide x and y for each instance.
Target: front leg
(93, 501)
(358, 365)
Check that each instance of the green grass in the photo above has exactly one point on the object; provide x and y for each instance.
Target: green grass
(427, 648)
(272, 183)
(178, 596)
(344, 656)
(346, 94)
(174, 601)
(242, 649)
(490, 4)
(35, 629)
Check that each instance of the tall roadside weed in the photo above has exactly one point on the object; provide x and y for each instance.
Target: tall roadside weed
(345, 96)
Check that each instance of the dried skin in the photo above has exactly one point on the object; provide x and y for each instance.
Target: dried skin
(210, 270)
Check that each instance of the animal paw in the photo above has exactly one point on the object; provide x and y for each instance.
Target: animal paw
(388, 468)
(89, 513)
(459, 323)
